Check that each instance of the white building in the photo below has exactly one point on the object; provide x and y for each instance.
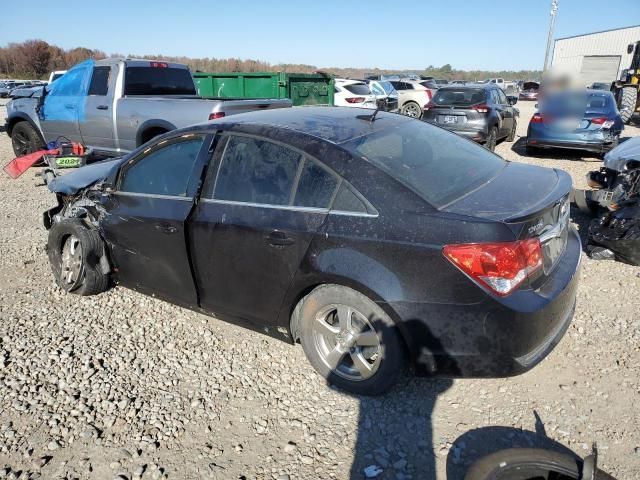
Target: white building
(595, 57)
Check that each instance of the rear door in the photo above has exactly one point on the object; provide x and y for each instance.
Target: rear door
(507, 112)
(97, 129)
(257, 214)
(145, 221)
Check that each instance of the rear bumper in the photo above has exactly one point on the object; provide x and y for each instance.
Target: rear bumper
(497, 337)
(594, 141)
(597, 147)
(478, 134)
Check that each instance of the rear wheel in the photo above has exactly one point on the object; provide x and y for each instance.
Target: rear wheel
(492, 138)
(350, 340)
(25, 139)
(628, 101)
(512, 134)
(412, 109)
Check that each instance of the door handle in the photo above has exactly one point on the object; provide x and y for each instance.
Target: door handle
(166, 228)
(278, 238)
(102, 107)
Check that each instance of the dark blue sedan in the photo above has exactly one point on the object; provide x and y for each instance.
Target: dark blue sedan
(587, 120)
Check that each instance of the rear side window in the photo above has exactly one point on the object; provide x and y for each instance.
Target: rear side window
(315, 187)
(165, 171)
(257, 171)
(158, 81)
(100, 81)
(358, 89)
(347, 201)
(459, 96)
(437, 165)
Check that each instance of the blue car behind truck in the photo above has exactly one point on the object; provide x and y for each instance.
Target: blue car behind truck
(587, 120)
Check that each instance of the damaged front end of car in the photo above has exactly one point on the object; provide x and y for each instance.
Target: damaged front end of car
(81, 197)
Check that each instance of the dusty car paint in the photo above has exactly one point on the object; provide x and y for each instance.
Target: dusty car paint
(232, 260)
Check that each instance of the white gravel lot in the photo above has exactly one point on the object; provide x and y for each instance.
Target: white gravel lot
(126, 386)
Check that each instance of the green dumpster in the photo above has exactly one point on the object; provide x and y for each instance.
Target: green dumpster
(301, 88)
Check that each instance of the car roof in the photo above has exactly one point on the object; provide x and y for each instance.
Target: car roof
(470, 86)
(332, 124)
(348, 81)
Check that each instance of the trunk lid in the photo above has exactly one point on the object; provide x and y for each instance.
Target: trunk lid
(531, 201)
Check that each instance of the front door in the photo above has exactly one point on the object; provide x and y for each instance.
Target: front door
(253, 225)
(145, 220)
(64, 104)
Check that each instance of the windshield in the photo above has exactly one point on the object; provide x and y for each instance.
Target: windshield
(459, 96)
(158, 81)
(438, 165)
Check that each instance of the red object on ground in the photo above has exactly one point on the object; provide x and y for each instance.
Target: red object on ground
(19, 165)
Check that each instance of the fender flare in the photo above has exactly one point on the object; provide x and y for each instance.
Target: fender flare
(153, 123)
(22, 117)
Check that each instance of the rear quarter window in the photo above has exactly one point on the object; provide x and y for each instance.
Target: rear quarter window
(437, 165)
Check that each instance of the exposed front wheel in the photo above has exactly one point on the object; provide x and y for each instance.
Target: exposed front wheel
(74, 254)
(350, 340)
(412, 109)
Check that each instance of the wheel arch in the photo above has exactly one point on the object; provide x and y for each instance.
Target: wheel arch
(22, 117)
(162, 126)
(289, 317)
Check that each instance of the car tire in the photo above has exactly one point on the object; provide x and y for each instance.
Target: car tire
(25, 139)
(74, 252)
(350, 340)
(529, 463)
(512, 134)
(628, 102)
(412, 109)
(492, 138)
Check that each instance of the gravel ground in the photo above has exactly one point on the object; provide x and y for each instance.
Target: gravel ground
(126, 386)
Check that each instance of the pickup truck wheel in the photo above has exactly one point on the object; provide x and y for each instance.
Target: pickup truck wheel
(412, 109)
(350, 340)
(25, 139)
(74, 254)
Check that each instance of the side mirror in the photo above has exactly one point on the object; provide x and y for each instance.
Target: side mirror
(630, 48)
(535, 106)
(512, 99)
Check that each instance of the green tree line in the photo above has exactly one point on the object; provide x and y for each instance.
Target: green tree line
(34, 59)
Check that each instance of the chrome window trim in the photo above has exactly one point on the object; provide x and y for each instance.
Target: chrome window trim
(289, 208)
(154, 195)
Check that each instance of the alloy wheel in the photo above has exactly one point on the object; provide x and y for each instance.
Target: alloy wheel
(412, 110)
(71, 268)
(346, 342)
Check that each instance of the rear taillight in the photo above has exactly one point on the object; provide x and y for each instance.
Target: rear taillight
(429, 95)
(537, 118)
(482, 108)
(355, 99)
(213, 116)
(598, 120)
(500, 267)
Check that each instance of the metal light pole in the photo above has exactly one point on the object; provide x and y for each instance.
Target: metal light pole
(552, 23)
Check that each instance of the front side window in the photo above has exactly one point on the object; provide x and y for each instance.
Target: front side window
(257, 171)
(71, 84)
(502, 97)
(165, 170)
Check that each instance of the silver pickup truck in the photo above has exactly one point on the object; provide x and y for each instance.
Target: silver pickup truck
(116, 105)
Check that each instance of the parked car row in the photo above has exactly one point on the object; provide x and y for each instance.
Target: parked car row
(7, 87)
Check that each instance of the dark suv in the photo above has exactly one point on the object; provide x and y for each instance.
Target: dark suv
(483, 113)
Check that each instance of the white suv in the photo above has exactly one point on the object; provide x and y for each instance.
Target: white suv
(353, 93)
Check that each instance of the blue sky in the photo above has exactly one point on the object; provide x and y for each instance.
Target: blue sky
(468, 34)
